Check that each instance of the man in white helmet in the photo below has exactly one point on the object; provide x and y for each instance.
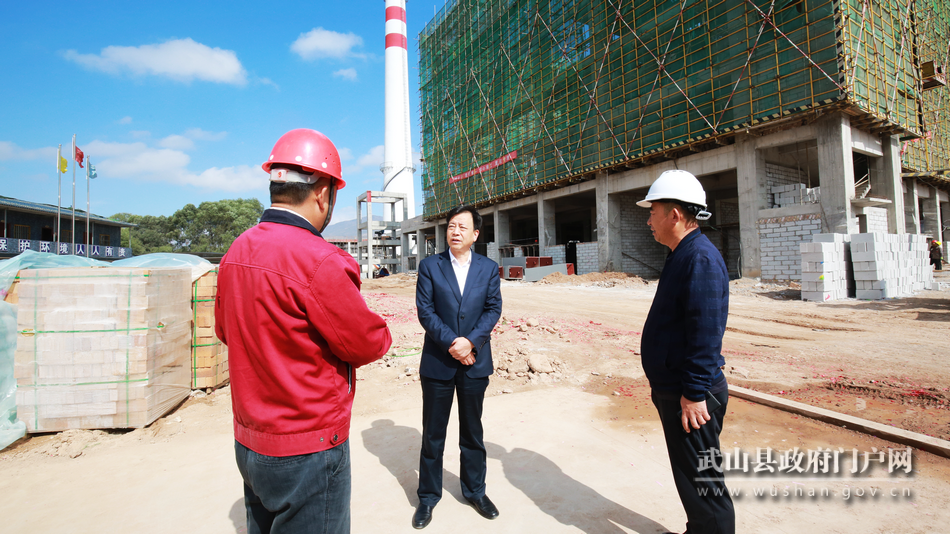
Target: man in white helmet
(681, 349)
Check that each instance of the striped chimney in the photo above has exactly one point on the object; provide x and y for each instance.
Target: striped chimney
(397, 147)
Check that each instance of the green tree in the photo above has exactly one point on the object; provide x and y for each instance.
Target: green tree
(209, 227)
(150, 234)
(212, 226)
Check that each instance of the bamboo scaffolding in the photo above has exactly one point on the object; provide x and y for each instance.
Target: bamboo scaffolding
(577, 86)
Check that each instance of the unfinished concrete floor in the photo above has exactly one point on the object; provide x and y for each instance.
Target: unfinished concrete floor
(576, 450)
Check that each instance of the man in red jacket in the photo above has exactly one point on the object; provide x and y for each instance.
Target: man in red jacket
(289, 309)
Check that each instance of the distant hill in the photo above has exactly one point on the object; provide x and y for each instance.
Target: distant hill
(344, 229)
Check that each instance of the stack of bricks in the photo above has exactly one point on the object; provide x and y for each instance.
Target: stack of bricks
(826, 268)
(209, 356)
(587, 260)
(641, 255)
(890, 265)
(557, 253)
(101, 347)
(789, 195)
(780, 240)
(875, 219)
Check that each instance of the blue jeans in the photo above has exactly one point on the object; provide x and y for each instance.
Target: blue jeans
(305, 493)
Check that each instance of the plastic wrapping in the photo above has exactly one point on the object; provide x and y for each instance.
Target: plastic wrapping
(10, 429)
(198, 266)
(30, 259)
(101, 348)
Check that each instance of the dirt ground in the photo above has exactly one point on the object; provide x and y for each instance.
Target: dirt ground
(885, 361)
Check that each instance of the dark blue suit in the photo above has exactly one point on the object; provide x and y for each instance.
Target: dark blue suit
(447, 313)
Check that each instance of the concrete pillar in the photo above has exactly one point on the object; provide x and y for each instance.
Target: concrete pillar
(944, 215)
(502, 228)
(421, 251)
(911, 207)
(609, 251)
(547, 231)
(440, 242)
(750, 181)
(930, 213)
(836, 175)
(887, 184)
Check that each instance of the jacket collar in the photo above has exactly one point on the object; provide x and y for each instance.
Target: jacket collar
(282, 217)
(687, 239)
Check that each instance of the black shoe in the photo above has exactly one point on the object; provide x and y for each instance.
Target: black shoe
(484, 507)
(423, 515)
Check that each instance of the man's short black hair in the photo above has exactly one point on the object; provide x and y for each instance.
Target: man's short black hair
(688, 209)
(476, 217)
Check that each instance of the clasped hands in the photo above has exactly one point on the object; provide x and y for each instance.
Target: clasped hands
(461, 350)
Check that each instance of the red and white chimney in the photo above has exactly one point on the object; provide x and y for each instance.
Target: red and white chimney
(397, 147)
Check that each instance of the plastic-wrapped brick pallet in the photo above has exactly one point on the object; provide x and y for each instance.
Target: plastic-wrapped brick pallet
(101, 347)
(826, 268)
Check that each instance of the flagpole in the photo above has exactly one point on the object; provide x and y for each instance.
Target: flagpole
(88, 233)
(73, 233)
(59, 196)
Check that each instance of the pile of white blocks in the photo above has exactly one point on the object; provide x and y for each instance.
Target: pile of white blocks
(789, 195)
(826, 268)
(890, 265)
(868, 266)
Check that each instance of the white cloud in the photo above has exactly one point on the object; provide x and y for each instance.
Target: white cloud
(182, 60)
(177, 142)
(268, 81)
(202, 135)
(320, 43)
(138, 161)
(366, 165)
(10, 151)
(125, 120)
(374, 157)
(346, 74)
(231, 179)
(132, 160)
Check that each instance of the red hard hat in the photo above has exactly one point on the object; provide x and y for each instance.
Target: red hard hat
(309, 149)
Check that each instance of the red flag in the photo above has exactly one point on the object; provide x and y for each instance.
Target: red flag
(79, 157)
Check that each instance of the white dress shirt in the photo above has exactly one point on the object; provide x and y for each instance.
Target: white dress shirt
(461, 269)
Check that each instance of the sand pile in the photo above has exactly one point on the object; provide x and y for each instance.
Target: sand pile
(595, 280)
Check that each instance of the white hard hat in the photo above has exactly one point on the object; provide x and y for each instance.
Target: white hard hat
(679, 186)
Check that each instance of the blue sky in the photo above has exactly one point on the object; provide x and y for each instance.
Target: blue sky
(181, 102)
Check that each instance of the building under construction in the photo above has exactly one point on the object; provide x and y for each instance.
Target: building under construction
(798, 117)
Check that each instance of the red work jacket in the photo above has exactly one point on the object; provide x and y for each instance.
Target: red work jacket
(288, 306)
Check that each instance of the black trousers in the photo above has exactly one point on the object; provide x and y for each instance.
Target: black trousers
(709, 508)
(436, 408)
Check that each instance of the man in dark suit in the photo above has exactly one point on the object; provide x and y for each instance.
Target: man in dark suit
(458, 297)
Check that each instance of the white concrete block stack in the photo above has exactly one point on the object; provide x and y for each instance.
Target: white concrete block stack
(587, 258)
(789, 195)
(826, 268)
(890, 265)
